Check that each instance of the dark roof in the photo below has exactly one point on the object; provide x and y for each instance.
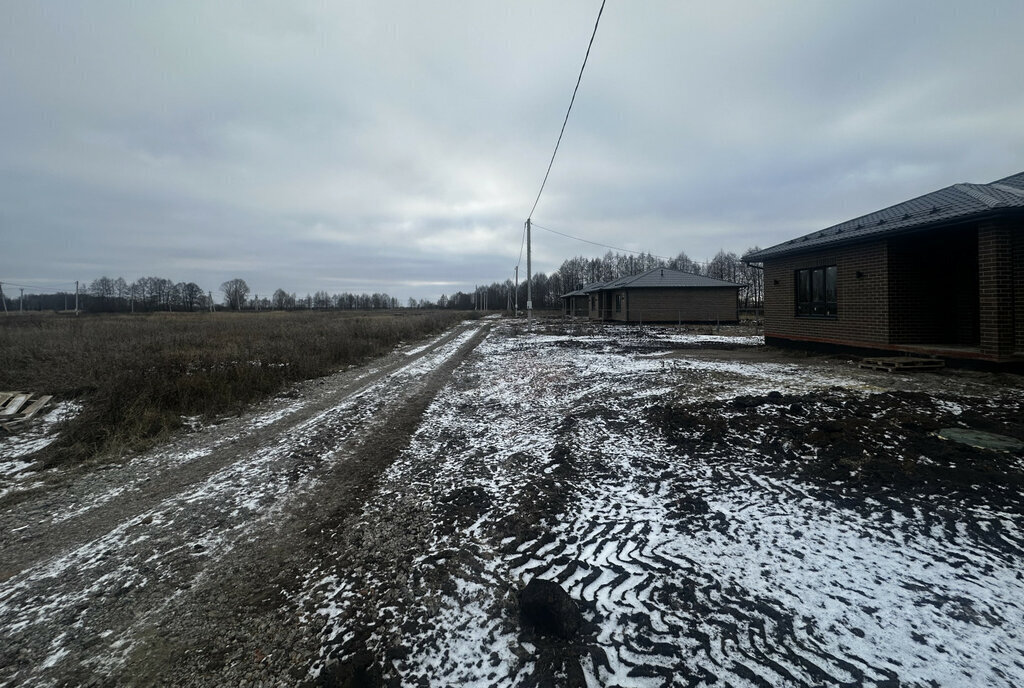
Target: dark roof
(951, 204)
(585, 290)
(665, 277)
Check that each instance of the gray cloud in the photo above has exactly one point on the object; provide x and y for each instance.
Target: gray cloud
(397, 146)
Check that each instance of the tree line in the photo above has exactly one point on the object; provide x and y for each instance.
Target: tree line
(148, 294)
(575, 273)
(151, 294)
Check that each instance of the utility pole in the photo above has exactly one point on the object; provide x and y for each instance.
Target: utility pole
(3, 298)
(76, 297)
(529, 279)
(21, 301)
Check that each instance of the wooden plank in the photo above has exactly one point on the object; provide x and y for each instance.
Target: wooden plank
(32, 409)
(14, 404)
(4, 396)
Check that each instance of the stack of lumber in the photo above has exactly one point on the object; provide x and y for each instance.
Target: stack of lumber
(17, 408)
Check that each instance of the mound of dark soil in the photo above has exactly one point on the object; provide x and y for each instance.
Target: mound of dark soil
(546, 609)
(875, 442)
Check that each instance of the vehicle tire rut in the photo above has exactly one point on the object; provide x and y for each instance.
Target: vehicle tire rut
(190, 586)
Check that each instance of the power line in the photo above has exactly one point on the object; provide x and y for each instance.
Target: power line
(566, 120)
(39, 286)
(518, 262)
(625, 250)
(597, 243)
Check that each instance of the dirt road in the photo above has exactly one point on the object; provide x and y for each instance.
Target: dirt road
(720, 513)
(169, 568)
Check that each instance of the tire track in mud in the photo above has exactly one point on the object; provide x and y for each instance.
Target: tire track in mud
(77, 505)
(663, 618)
(254, 593)
(174, 587)
(690, 567)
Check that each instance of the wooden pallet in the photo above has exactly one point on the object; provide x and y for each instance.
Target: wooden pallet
(891, 364)
(17, 408)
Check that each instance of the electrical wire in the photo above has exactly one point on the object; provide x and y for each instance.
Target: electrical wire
(38, 286)
(566, 120)
(521, 245)
(616, 248)
(597, 243)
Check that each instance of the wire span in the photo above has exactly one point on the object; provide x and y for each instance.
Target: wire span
(566, 120)
(597, 243)
(52, 285)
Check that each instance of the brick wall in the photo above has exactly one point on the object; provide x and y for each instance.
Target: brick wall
(599, 305)
(685, 304)
(576, 306)
(1018, 287)
(960, 287)
(862, 302)
(996, 285)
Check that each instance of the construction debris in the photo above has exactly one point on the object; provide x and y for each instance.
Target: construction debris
(904, 364)
(17, 408)
(981, 439)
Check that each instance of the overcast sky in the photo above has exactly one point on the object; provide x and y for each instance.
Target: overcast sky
(398, 146)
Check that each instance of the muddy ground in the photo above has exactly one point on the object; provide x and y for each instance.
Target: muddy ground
(718, 513)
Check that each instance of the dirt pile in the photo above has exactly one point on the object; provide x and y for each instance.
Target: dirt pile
(885, 442)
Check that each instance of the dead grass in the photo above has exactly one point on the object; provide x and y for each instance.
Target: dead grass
(139, 375)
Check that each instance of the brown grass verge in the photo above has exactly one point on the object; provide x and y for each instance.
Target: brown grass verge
(137, 376)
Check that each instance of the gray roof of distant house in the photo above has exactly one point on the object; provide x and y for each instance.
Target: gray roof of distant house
(585, 289)
(665, 277)
(955, 203)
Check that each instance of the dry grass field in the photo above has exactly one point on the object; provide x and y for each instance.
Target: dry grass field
(139, 376)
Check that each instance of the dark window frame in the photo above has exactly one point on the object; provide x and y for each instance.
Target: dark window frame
(816, 292)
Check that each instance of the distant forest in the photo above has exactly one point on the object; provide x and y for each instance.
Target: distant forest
(577, 272)
(150, 294)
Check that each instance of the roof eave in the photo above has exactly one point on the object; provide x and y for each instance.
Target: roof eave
(993, 214)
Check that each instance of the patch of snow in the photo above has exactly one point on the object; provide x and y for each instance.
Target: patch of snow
(36, 435)
(771, 586)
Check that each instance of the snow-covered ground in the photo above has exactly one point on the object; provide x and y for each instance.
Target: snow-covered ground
(85, 607)
(542, 458)
(15, 447)
(722, 514)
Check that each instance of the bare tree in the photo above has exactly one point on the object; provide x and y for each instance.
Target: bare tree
(755, 278)
(723, 266)
(280, 300)
(684, 263)
(235, 292)
(321, 299)
(188, 294)
(103, 289)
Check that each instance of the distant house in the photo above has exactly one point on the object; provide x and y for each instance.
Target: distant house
(942, 274)
(577, 303)
(658, 295)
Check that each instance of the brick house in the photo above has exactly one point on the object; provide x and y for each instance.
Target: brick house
(661, 295)
(942, 275)
(577, 303)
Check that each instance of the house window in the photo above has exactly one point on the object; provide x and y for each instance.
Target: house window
(618, 303)
(816, 292)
